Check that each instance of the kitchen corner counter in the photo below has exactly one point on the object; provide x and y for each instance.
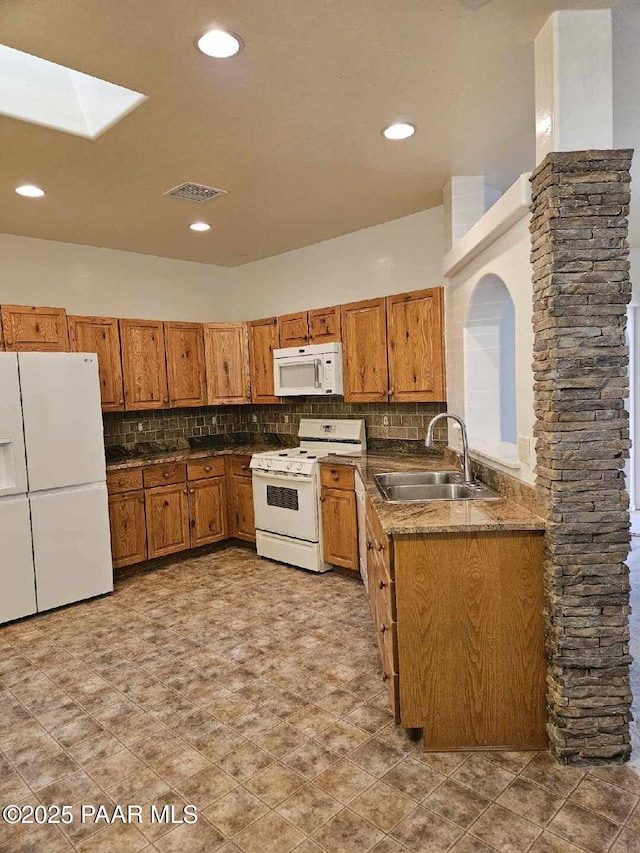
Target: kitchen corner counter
(188, 454)
(398, 519)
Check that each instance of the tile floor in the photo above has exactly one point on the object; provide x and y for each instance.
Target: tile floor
(252, 691)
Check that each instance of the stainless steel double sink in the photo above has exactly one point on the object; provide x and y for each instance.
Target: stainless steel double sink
(423, 486)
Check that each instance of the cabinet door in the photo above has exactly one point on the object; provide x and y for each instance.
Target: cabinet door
(102, 336)
(340, 528)
(324, 325)
(29, 329)
(128, 529)
(208, 511)
(263, 339)
(364, 340)
(226, 352)
(2, 346)
(185, 364)
(144, 365)
(167, 519)
(294, 330)
(416, 346)
(241, 518)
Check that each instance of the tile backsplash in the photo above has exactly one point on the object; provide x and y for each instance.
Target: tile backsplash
(384, 421)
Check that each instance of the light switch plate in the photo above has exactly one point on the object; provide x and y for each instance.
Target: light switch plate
(524, 449)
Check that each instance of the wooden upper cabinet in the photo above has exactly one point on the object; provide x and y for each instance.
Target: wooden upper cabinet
(102, 336)
(185, 364)
(263, 339)
(226, 354)
(294, 330)
(364, 341)
(32, 329)
(416, 346)
(1, 335)
(144, 365)
(324, 325)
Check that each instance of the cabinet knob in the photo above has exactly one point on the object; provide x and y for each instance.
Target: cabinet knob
(192, 491)
(369, 545)
(165, 474)
(184, 491)
(207, 467)
(380, 546)
(383, 585)
(383, 628)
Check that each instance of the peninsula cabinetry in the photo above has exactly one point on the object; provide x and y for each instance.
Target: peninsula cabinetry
(458, 619)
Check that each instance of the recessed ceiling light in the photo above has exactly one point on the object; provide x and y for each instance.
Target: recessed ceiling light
(220, 44)
(399, 130)
(30, 191)
(200, 226)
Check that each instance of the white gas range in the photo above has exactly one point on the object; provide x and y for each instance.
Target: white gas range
(286, 491)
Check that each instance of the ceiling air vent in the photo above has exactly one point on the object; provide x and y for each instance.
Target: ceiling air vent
(197, 193)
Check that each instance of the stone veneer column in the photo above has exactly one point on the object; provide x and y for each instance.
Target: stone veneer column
(581, 287)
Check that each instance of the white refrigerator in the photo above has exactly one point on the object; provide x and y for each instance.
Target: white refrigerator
(55, 545)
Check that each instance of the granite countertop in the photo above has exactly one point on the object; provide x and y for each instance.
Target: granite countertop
(119, 459)
(434, 516)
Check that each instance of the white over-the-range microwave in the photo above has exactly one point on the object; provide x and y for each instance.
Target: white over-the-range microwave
(305, 371)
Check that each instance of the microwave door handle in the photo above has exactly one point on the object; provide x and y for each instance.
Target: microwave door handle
(316, 365)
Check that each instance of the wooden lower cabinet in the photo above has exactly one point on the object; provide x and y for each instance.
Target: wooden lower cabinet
(459, 624)
(208, 511)
(167, 511)
(242, 523)
(128, 528)
(339, 528)
(339, 516)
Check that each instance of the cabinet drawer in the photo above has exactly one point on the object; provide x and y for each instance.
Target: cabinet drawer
(124, 481)
(165, 475)
(202, 469)
(338, 476)
(240, 466)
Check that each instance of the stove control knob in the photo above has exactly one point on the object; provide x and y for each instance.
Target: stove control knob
(269, 463)
(298, 466)
(289, 466)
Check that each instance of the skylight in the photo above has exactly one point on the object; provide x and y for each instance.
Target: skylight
(41, 92)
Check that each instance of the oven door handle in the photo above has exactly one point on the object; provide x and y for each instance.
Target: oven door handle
(280, 475)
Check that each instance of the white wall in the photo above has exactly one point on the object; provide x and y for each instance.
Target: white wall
(401, 255)
(88, 280)
(507, 258)
(404, 254)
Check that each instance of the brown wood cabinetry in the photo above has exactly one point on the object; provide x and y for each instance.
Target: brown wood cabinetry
(185, 364)
(2, 346)
(226, 347)
(364, 342)
(128, 528)
(102, 336)
(208, 511)
(324, 325)
(471, 649)
(263, 339)
(34, 329)
(124, 481)
(294, 330)
(241, 517)
(339, 517)
(167, 511)
(416, 346)
(144, 365)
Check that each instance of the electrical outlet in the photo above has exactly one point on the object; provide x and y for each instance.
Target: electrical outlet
(214, 419)
(524, 449)
(140, 426)
(385, 420)
(254, 419)
(286, 419)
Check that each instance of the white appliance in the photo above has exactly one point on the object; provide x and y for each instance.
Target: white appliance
(55, 545)
(316, 369)
(286, 491)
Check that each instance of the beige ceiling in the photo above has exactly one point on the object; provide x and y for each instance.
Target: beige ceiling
(290, 127)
